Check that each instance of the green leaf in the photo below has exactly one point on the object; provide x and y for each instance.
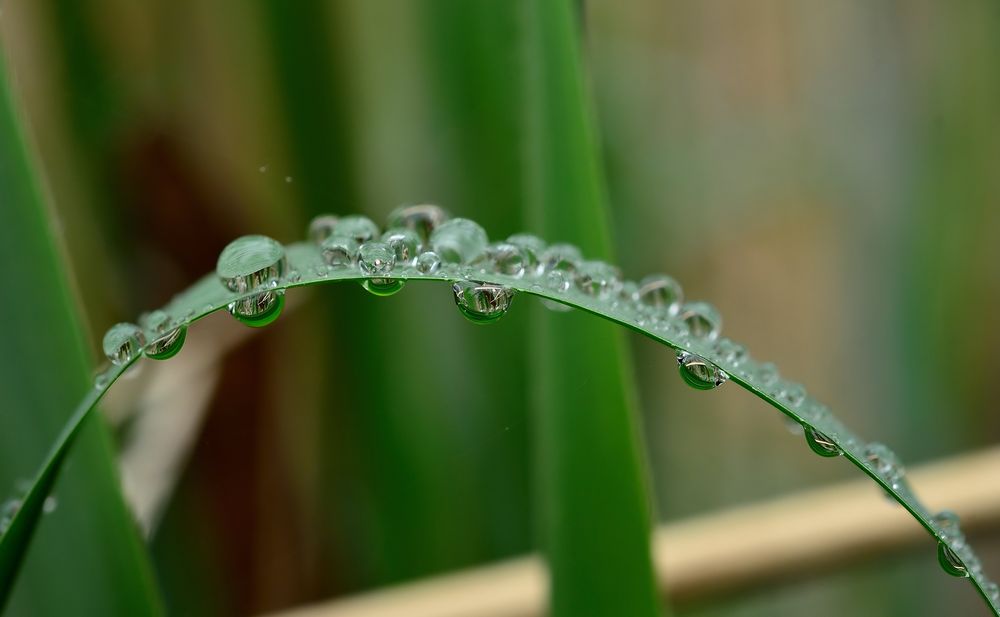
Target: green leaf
(87, 558)
(590, 467)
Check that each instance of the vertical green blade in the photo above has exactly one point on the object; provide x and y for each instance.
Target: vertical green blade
(595, 520)
(86, 558)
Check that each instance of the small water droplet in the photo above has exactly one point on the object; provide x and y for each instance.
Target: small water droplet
(50, 504)
(949, 526)
(702, 320)
(359, 228)
(885, 464)
(508, 259)
(421, 218)
(821, 444)
(322, 271)
(951, 562)
(339, 251)
(992, 591)
(262, 168)
(258, 310)
(405, 244)
(459, 241)
(698, 372)
(559, 257)
(288, 179)
(558, 280)
(208, 308)
(293, 277)
(123, 342)
(531, 246)
(793, 395)
(660, 292)
(166, 338)
(7, 513)
(428, 262)
(731, 352)
(321, 227)
(251, 262)
(597, 278)
(767, 374)
(482, 303)
(378, 259)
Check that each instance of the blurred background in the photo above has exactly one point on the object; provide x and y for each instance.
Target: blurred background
(826, 173)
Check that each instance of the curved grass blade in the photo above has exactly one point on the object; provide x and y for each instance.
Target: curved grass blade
(306, 267)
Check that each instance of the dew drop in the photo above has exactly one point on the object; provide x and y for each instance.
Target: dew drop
(951, 562)
(377, 259)
(767, 374)
(250, 262)
(321, 227)
(166, 340)
(508, 259)
(731, 352)
(885, 464)
(258, 310)
(361, 229)
(793, 395)
(459, 241)
(992, 591)
(50, 504)
(123, 342)
(7, 513)
(428, 262)
(821, 444)
(949, 527)
(339, 251)
(531, 245)
(699, 373)
(482, 303)
(421, 218)
(558, 280)
(405, 244)
(293, 277)
(597, 278)
(702, 320)
(660, 292)
(559, 257)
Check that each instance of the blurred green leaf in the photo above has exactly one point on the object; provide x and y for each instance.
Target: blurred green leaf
(86, 558)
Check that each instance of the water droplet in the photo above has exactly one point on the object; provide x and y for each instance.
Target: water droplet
(821, 444)
(949, 527)
(7, 513)
(702, 320)
(885, 464)
(359, 228)
(731, 352)
(102, 379)
(250, 262)
(378, 259)
(459, 241)
(482, 303)
(262, 168)
(699, 373)
(123, 342)
(258, 310)
(50, 504)
(660, 292)
(293, 277)
(531, 245)
(950, 561)
(288, 179)
(166, 340)
(558, 280)
(339, 251)
(428, 262)
(992, 591)
(597, 278)
(793, 395)
(559, 257)
(421, 218)
(405, 244)
(767, 374)
(508, 259)
(321, 227)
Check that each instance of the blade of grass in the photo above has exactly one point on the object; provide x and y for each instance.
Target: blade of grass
(87, 558)
(595, 519)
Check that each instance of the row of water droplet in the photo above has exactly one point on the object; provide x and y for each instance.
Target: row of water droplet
(423, 241)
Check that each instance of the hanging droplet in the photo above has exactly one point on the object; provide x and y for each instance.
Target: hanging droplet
(405, 244)
(597, 278)
(361, 229)
(377, 259)
(421, 218)
(821, 444)
(482, 303)
(428, 262)
(508, 259)
(885, 464)
(123, 342)
(564, 257)
(258, 310)
(660, 292)
(698, 372)
(702, 320)
(339, 251)
(251, 262)
(166, 340)
(459, 241)
(321, 227)
(950, 561)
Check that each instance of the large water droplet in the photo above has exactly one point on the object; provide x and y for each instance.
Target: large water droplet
(167, 339)
(421, 218)
(361, 229)
(123, 342)
(885, 464)
(459, 241)
(250, 262)
(702, 320)
(377, 259)
(821, 444)
(698, 372)
(661, 292)
(482, 303)
(564, 257)
(950, 561)
(598, 279)
(428, 262)
(258, 310)
(321, 227)
(339, 251)
(508, 259)
(405, 244)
